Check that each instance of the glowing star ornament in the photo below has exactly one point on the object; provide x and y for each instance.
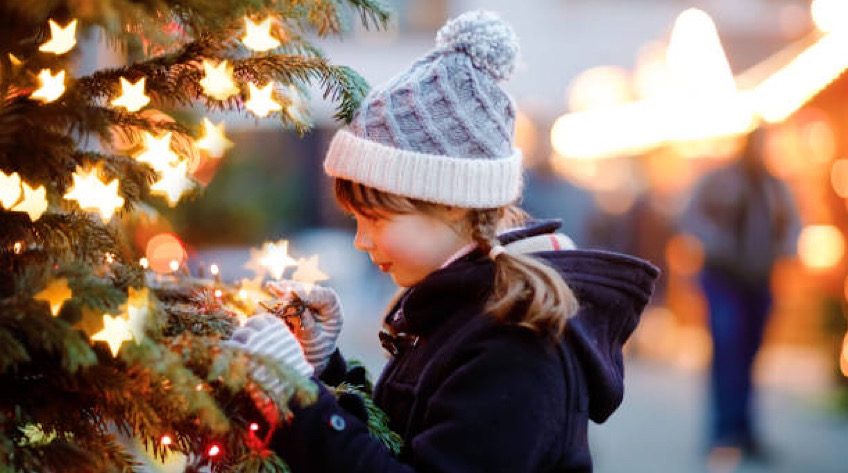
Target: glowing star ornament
(260, 101)
(61, 39)
(34, 203)
(157, 152)
(274, 257)
(10, 189)
(92, 194)
(218, 82)
(115, 332)
(132, 96)
(137, 309)
(173, 183)
(55, 294)
(52, 87)
(308, 273)
(213, 139)
(258, 37)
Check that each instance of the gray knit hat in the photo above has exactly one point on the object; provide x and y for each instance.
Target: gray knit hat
(443, 130)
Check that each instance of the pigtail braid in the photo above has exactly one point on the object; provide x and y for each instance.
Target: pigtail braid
(526, 291)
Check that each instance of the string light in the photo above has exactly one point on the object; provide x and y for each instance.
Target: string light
(218, 293)
(166, 440)
(10, 189)
(34, 203)
(218, 80)
(115, 332)
(213, 139)
(214, 450)
(214, 269)
(260, 101)
(157, 151)
(173, 183)
(258, 36)
(254, 426)
(174, 265)
(109, 257)
(52, 87)
(17, 247)
(92, 194)
(132, 96)
(55, 294)
(61, 39)
(144, 263)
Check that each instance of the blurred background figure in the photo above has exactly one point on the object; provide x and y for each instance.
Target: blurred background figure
(745, 218)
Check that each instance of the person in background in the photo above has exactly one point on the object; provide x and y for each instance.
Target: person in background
(746, 219)
(505, 341)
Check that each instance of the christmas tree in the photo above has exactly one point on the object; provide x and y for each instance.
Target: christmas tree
(89, 346)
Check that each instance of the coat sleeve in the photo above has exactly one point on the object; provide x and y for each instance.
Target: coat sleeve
(500, 409)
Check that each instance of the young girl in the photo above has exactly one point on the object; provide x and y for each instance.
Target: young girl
(504, 344)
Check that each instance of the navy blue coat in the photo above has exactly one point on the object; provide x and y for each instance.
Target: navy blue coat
(470, 394)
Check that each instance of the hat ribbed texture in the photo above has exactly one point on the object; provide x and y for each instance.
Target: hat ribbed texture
(441, 131)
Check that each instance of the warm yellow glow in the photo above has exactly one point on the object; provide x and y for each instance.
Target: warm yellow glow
(115, 332)
(132, 96)
(61, 39)
(55, 294)
(830, 15)
(10, 189)
(218, 81)
(173, 183)
(599, 87)
(213, 139)
(650, 76)
(307, 272)
(695, 58)
(17, 247)
(34, 203)
(136, 310)
(109, 257)
(821, 246)
(219, 293)
(260, 101)
(52, 87)
(92, 194)
(788, 89)
(143, 263)
(157, 152)
(14, 60)
(258, 36)
(274, 258)
(250, 294)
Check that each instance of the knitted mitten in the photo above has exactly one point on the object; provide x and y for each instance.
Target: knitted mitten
(321, 322)
(269, 337)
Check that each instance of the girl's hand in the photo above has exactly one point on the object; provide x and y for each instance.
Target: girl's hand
(320, 322)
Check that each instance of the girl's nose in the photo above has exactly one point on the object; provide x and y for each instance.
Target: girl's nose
(361, 241)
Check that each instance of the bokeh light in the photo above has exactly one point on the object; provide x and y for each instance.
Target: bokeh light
(599, 87)
(685, 254)
(162, 249)
(830, 15)
(821, 246)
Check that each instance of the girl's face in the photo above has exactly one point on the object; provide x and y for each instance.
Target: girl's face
(409, 246)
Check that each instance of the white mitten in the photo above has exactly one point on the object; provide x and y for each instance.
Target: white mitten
(269, 337)
(321, 322)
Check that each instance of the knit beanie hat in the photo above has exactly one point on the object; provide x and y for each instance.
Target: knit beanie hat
(441, 131)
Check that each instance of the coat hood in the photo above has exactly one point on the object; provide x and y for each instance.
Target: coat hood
(612, 290)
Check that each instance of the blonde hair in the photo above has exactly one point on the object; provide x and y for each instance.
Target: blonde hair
(526, 291)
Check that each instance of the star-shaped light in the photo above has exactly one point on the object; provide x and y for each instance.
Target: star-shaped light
(308, 273)
(34, 203)
(55, 294)
(137, 309)
(218, 82)
(157, 152)
(274, 257)
(61, 39)
(132, 96)
(92, 194)
(52, 87)
(258, 37)
(173, 183)
(260, 101)
(213, 139)
(115, 332)
(10, 189)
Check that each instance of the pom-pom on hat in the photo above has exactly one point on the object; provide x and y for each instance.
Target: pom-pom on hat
(441, 131)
